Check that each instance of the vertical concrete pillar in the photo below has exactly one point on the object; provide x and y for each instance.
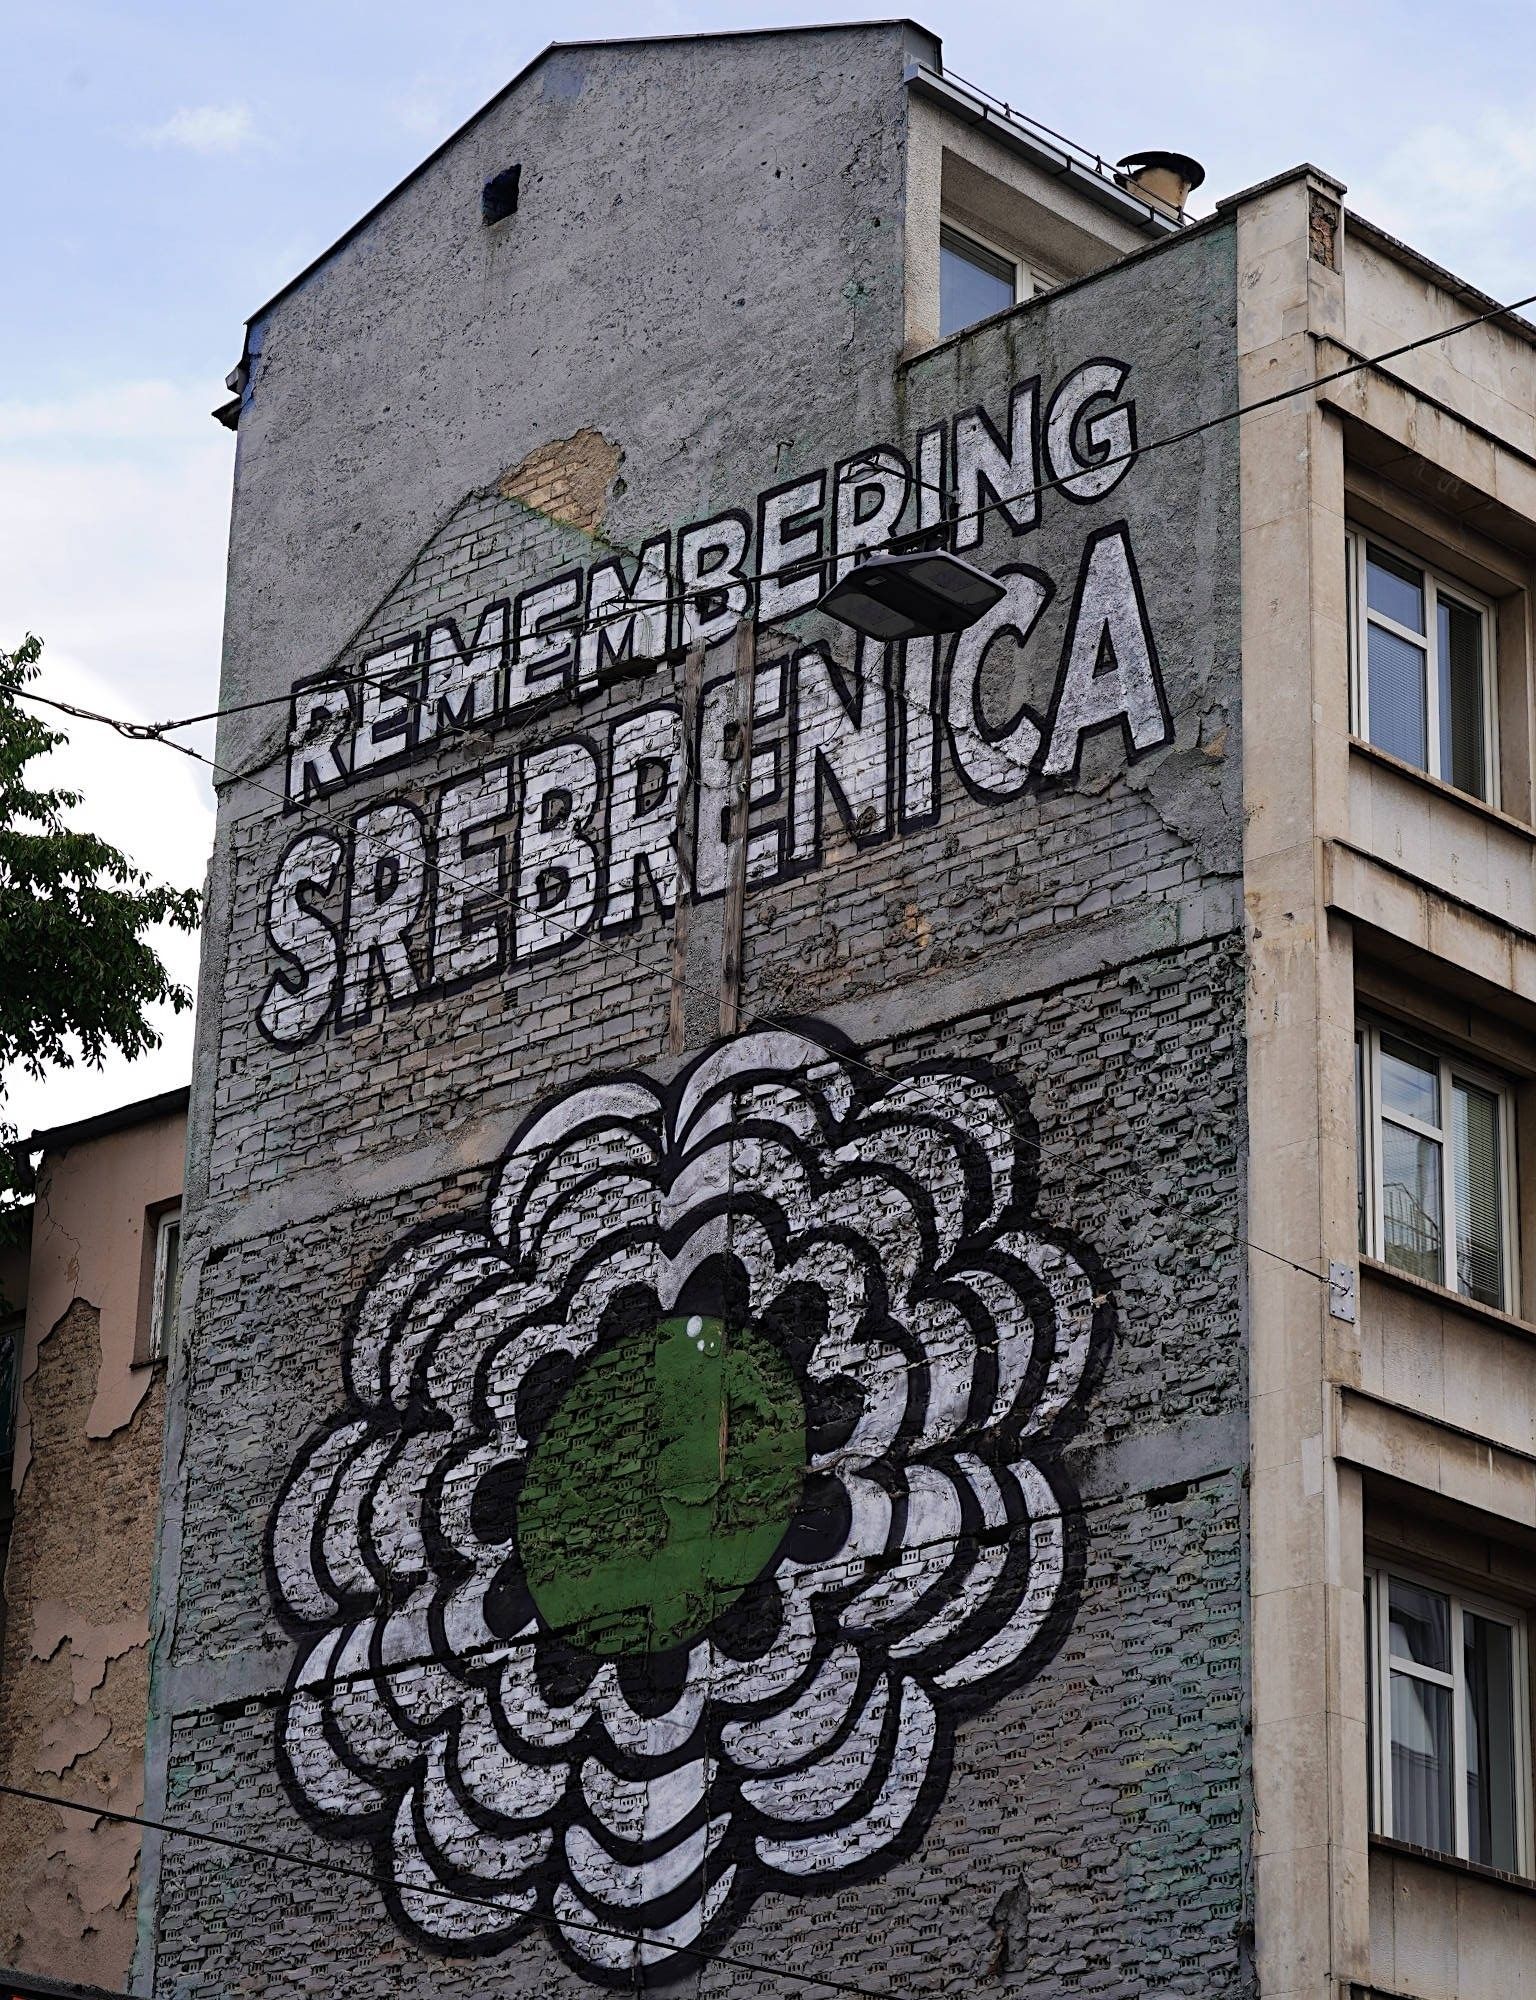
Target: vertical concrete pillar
(1308, 1744)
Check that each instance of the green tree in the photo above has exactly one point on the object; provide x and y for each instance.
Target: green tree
(77, 974)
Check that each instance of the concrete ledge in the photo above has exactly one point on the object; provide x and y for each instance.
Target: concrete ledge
(1386, 1438)
(1405, 908)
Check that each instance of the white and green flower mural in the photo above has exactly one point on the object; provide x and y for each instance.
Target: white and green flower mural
(680, 1508)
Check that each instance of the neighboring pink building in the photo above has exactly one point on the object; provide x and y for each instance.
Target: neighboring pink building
(89, 1310)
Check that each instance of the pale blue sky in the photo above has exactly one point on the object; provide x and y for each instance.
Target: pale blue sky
(168, 166)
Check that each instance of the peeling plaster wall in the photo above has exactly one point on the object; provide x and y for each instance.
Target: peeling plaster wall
(74, 1670)
(88, 1243)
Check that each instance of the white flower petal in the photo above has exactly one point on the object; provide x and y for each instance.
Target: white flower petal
(775, 1061)
(643, 1808)
(742, 1683)
(949, 1347)
(869, 1528)
(972, 1125)
(390, 1295)
(455, 1839)
(810, 1721)
(503, 1783)
(974, 1585)
(526, 1712)
(830, 1783)
(933, 1524)
(300, 1510)
(432, 1314)
(635, 1735)
(438, 1913)
(1072, 1295)
(394, 1512)
(885, 1821)
(1013, 1318)
(341, 1552)
(372, 1737)
(573, 1333)
(328, 1785)
(1047, 1566)
(594, 1125)
(599, 1874)
(597, 1942)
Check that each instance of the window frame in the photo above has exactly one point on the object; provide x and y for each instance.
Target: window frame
(1437, 584)
(1369, 1029)
(167, 1220)
(1382, 1663)
(1040, 280)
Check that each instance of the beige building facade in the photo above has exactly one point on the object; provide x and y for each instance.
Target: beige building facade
(92, 1297)
(1388, 528)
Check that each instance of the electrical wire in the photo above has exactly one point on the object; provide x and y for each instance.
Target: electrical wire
(765, 1022)
(319, 1865)
(157, 730)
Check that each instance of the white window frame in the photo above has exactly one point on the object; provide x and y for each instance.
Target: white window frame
(1383, 1663)
(1436, 586)
(1452, 1068)
(165, 1222)
(1039, 279)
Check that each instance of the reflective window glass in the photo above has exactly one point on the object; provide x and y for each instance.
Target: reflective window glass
(974, 282)
(1394, 588)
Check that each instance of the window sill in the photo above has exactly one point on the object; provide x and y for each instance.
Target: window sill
(1467, 801)
(1479, 1871)
(1442, 1295)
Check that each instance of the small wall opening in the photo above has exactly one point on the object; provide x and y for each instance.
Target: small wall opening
(498, 198)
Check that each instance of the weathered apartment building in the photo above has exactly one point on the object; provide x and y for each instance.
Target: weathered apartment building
(854, 1311)
(87, 1301)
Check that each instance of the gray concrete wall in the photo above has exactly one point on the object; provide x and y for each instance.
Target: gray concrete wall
(1021, 960)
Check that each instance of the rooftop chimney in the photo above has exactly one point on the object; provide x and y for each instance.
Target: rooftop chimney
(1168, 179)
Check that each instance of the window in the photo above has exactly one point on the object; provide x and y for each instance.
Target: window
(1422, 653)
(1449, 1759)
(976, 280)
(1436, 1159)
(167, 1291)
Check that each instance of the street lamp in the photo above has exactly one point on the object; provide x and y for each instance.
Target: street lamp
(911, 593)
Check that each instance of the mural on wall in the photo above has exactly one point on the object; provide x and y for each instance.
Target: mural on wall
(573, 832)
(680, 1507)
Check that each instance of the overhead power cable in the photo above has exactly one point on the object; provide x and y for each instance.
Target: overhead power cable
(157, 731)
(320, 1865)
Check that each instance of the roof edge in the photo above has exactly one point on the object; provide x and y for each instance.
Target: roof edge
(1302, 171)
(1423, 266)
(553, 49)
(57, 1138)
(1417, 261)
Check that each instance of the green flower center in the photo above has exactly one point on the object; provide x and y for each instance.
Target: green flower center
(662, 1485)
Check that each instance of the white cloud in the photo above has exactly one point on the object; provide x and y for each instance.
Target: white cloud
(147, 801)
(113, 523)
(204, 128)
(141, 413)
(114, 509)
(1464, 194)
(424, 113)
